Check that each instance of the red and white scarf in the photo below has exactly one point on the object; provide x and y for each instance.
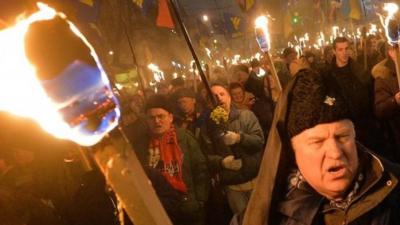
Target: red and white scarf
(166, 156)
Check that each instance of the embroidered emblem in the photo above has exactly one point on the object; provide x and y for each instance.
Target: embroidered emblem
(329, 101)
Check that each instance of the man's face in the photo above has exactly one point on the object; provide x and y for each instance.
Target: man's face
(237, 95)
(342, 53)
(186, 105)
(242, 77)
(326, 156)
(222, 96)
(159, 120)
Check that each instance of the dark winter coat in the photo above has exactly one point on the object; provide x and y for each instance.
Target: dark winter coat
(255, 86)
(269, 195)
(376, 203)
(357, 86)
(195, 172)
(249, 149)
(386, 108)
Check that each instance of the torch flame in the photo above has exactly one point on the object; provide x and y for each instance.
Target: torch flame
(208, 51)
(157, 73)
(391, 8)
(390, 24)
(262, 33)
(21, 92)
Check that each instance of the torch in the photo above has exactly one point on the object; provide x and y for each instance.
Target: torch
(263, 40)
(69, 96)
(364, 45)
(391, 25)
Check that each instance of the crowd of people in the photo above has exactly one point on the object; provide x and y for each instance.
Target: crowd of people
(336, 118)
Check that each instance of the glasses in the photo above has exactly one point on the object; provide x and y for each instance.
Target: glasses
(156, 117)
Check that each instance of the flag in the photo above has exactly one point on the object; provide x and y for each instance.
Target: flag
(355, 6)
(235, 25)
(164, 18)
(246, 5)
(351, 9)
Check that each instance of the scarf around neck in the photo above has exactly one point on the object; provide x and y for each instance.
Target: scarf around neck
(297, 181)
(166, 156)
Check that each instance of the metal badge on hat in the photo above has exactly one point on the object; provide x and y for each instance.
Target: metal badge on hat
(329, 100)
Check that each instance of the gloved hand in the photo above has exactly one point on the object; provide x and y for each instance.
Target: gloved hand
(231, 138)
(231, 163)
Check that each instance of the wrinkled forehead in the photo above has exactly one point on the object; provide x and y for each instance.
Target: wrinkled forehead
(328, 130)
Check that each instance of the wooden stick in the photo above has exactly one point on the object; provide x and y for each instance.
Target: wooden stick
(397, 63)
(125, 175)
(273, 70)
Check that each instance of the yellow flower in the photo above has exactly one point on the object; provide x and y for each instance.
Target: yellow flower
(219, 115)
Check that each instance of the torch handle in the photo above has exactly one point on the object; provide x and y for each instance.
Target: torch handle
(273, 70)
(190, 45)
(397, 63)
(365, 58)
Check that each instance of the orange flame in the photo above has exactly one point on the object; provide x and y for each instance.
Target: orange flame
(21, 92)
(262, 29)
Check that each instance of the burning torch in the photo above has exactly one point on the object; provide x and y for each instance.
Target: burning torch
(392, 25)
(263, 40)
(58, 82)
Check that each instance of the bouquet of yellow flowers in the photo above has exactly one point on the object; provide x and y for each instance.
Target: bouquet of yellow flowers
(219, 115)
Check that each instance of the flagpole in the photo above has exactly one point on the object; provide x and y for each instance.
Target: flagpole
(190, 45)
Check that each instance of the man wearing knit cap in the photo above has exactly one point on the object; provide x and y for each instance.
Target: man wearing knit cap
(177, 156)
(314, 171)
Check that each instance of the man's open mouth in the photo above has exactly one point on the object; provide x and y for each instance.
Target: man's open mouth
(335, 169)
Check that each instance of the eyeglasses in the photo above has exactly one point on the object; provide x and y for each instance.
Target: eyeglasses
(156, 117)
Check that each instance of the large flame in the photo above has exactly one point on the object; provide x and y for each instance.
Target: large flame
(22, 93)
(262, 33)
(390, 23)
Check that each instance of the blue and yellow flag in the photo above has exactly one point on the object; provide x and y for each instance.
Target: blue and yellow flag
(351, 9)
(246, 5)
(235, 25)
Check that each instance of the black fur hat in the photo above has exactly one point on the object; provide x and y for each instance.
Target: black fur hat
(159, 101)
(314, 99)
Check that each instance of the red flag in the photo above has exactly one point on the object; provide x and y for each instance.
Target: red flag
(164, 18)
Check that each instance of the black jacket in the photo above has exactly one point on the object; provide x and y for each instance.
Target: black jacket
(376, 203)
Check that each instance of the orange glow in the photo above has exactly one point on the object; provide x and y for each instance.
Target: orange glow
(262, 29)
(21, 92)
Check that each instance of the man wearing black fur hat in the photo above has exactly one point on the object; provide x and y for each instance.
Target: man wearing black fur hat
(314, 171)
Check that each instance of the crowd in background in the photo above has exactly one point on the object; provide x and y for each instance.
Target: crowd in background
(203, 162)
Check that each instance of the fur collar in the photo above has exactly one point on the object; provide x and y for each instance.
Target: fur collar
(383, 69)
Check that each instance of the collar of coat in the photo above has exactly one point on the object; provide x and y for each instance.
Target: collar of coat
(304, 204)
(384, 69)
